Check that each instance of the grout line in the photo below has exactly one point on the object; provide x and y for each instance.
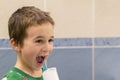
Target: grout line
(73, 47)
(93, 60)
(107, 46)
(87, 47)
(93, 39)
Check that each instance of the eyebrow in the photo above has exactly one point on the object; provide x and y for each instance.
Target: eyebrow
(43, 37)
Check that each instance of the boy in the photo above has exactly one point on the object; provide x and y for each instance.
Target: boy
(31, 35)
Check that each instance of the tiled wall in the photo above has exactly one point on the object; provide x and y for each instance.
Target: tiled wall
(106, 58)
(75, 58)
(73, 18)
(87, 44)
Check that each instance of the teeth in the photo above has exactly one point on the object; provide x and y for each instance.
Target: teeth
(40, 59)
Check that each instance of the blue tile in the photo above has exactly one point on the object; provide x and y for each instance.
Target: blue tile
(113, 41)
(72, 64)
(107, 65)
(58, 42)
(4, 43)
(7, 61)
(68, 42)
(65, 42)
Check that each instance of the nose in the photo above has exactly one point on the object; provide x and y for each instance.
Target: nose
(47, 47)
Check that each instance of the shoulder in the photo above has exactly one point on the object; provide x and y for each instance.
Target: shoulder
(11, 75)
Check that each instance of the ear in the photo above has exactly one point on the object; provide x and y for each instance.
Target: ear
(14, 45)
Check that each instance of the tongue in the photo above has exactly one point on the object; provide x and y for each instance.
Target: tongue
(40, 59)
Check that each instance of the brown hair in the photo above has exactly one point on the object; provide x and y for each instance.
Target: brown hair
(23, 18)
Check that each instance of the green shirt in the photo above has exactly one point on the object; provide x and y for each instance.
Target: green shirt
(17, 74)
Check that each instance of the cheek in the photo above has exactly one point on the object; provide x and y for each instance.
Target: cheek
(29, 52)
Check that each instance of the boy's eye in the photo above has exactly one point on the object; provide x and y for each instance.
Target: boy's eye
(51, 40)
(42, 41)
(38, 41)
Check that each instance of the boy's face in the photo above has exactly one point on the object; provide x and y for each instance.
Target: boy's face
(36, 46)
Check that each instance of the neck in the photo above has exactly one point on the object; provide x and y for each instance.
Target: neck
(31, 71)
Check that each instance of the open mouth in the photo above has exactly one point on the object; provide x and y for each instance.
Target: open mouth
(40, 59)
